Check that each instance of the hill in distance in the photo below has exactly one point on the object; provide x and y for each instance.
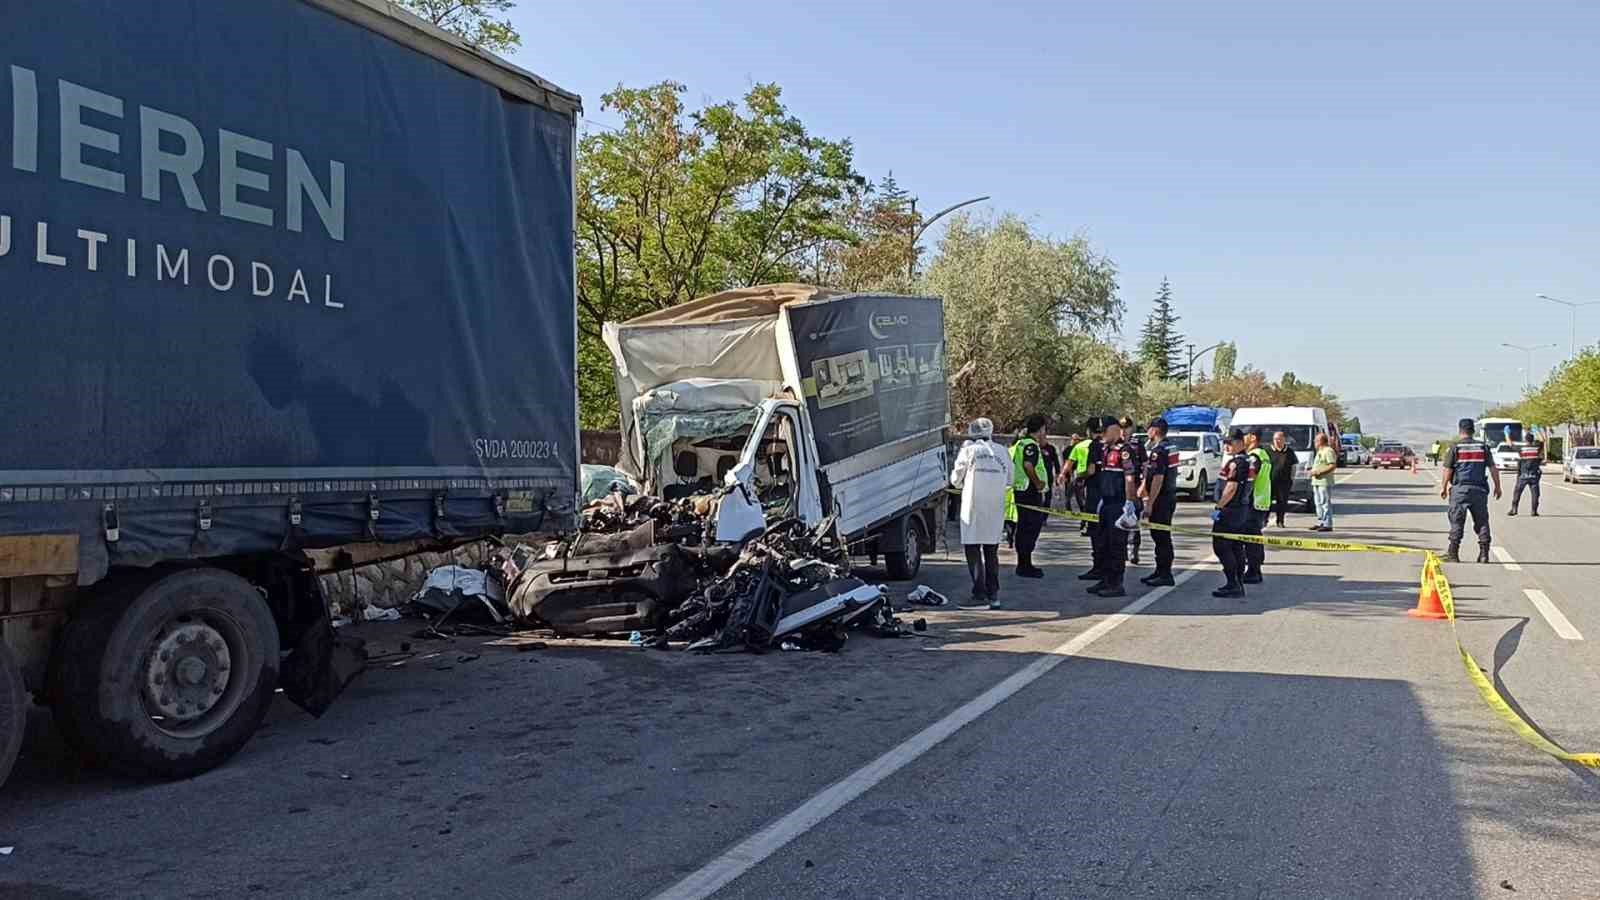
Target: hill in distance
(1418, 421)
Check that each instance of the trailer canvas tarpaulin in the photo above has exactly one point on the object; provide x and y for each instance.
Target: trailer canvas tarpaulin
(317, 289)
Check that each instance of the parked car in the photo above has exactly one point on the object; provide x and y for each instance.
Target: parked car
(1199, 462)
(1393, 456)
(1507, 456)
(1582, 465)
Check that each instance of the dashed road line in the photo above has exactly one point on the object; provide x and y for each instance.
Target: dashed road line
(1506, 560)
(749, 853)
(1551, 614)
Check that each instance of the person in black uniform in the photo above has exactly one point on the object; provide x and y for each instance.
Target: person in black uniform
(1113, 473)
(1233, 515)
(1467, 468)
(1089, 498)
(1029, 500)
(1136, 454)
(1530, 471)
(1052, 469)
(1159, 489)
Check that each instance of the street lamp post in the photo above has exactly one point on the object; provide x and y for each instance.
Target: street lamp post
(1574, 307)
(1527, 373)
(1193, 357)
(917, 230)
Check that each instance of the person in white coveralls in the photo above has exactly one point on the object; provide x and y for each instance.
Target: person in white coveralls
(983, 474)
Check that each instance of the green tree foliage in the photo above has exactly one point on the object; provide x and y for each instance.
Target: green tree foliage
(1225, 362)
(477, 22)
(1021, 313)
(675, 204)
(1160, 343)
(1156, 394)
(1352, 425)
(1252, 388)
(1570, 395)
(877, 253)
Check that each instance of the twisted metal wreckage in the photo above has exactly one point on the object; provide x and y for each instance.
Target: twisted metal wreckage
(641, 564)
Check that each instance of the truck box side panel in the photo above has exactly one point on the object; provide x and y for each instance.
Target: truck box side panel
(868, 499)
(254, 251)
(871, 369)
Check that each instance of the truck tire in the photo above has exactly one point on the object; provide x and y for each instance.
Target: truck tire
(1201, 488)
(13, 711)
(903, 564)
(172, 682)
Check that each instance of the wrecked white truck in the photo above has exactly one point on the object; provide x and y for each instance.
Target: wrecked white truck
(749, 418)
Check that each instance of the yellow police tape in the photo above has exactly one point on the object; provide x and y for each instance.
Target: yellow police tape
(1432, 569)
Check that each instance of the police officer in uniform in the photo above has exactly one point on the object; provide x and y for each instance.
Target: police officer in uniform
(1233, 515)
(1159, 489)
(1089, 493)
(1136, 454)
(1255, 555)
(1028, 487)
(1112, 468)
(1530, 471)
(1467, 468)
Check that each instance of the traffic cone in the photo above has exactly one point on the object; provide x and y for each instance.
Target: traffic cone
(1428, 604)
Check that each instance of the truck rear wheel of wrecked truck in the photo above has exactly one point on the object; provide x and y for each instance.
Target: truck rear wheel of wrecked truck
(256, 321)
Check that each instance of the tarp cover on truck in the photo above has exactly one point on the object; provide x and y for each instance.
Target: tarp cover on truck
(254, 251)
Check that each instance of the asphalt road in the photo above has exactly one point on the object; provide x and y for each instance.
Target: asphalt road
(1309, 740)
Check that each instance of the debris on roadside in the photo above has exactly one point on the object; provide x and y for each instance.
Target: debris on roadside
(927, 596)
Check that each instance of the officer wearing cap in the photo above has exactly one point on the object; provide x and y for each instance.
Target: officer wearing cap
(1159, 488)
(1087, 492)
(1111, 467)
(1467, 470)
(1530, 471)
(1232, 515)
(1136, 455)
(1260, 503)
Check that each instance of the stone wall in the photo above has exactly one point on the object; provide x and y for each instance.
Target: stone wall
(390, 584)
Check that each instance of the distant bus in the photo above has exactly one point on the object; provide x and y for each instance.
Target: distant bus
(1501, 431)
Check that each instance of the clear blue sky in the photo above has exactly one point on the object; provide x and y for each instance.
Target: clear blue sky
(1367, 193)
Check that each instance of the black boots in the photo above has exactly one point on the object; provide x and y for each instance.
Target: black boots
(1483, 553)
(1453, 554)
(1231, 589)
(1158, 579)
(1252, 576)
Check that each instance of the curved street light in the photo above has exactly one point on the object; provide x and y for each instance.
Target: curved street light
(1527, 373)
(916, 235)
(1194, 357)
(1574, 306)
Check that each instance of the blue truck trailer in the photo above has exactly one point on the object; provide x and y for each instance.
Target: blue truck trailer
(278, 276)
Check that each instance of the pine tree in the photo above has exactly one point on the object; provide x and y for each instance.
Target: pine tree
(1160, 343)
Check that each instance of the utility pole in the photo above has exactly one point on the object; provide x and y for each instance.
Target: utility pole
(1574, 307)
(1527, 374)
(918, 229)
(1193, 356)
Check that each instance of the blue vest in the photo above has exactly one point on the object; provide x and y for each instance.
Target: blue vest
(1472, 464)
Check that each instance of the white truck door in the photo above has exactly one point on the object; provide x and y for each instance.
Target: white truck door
(781, 459)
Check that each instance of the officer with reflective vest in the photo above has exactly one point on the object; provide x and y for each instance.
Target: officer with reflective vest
(1260, 503)
(1467, 470)
(1159, 489)
(1530, 471)
(1089, 492)
(1028, 487)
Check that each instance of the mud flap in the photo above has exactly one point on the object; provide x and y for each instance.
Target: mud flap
(320, 666)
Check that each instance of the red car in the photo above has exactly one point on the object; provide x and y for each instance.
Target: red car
(1392, 456)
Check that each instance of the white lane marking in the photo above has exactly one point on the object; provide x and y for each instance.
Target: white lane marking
(1552, 615)
(1506, 560)
(748, 853)
(1580, 493)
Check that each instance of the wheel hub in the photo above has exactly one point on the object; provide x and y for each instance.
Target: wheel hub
(187, 671)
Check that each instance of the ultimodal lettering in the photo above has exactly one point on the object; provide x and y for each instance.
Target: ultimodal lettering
(170, 155)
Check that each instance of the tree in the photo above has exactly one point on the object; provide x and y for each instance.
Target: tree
(1160, 343)
(473, 21)
(1022, 312)
(674, 204)
(877, 253)
(1352, 425)
(1226, 358)
(1156, 394)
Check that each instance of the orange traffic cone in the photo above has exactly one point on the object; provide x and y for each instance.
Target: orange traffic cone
(1428, 604)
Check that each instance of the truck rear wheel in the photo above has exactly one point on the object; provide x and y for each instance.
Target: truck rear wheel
(13, 711)
(175, 681)
(903, 564)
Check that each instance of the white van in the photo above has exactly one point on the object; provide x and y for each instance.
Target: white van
(1300, 424)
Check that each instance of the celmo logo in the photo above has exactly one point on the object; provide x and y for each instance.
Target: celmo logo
(878, 324)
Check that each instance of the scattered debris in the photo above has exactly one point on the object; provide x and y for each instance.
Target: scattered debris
(1507, 885)
(6, 851)
(927, 596)
(374, 614)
